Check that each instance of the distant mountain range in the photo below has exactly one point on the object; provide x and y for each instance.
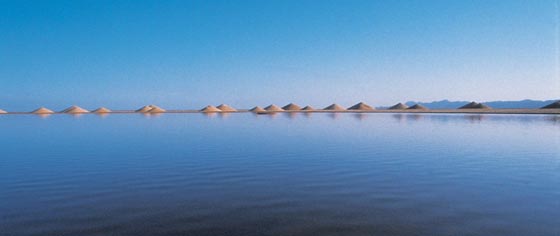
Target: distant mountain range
(446, 104)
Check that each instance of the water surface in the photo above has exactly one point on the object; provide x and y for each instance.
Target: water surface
(315, 174)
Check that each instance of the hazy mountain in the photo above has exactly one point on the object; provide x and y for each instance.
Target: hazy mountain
(446, 104)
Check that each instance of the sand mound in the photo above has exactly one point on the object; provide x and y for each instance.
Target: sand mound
(362, 107)
(554, 105)
(3, 112)
(74, 110)
(156, 109)
(226, 108)
(150, 109)
(482, 106)
(101, 110)
(145, 109)
(273, 107)
(210, 108)
(398, 106)
(469, 105)
(42, 110)
(291, 107)
(308, 108)
(417, 107)
(334, 107)
(474, 105)
(257, 109)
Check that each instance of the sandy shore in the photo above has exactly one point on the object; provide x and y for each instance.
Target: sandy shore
(443, 111)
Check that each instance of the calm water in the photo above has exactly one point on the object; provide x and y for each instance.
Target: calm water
(323, 174)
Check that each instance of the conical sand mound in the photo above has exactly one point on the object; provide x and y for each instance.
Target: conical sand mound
(150, 109)
(226, 108)
(210, 108)
(3, 112)
(42, 110)
(156, 109)
(101, 110)
(308, 108)
(483, 106)
(334, 107)
(257, 109)
(273, 107)
(362, 107)
(145, 109)
(469, 106)
(417, 107)
(398, 106)
(554, 105)
(75, 110)
(474, 105)
(291, 107)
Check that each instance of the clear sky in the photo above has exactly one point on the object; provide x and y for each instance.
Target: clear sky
(187, 54)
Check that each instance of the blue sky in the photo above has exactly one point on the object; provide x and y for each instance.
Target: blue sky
(186, 54)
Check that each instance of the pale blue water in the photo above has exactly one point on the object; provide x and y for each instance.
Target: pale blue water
(242, 174)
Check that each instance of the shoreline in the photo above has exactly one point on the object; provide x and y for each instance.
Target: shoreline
(538, 111)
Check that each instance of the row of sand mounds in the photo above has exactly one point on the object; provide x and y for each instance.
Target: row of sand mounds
(272, 108)
(70, 110)
(220, 108)
(294, 107)
(472, 105)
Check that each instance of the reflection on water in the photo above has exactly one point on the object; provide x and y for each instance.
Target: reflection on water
(43, 115)
(476, 118)
(224, 115)
(102, 115)
(334, 115)
(553, 119)
(281, 174)
(148, 115)
(414, 116)
(399, 117)
(360, 116)
(291, 115)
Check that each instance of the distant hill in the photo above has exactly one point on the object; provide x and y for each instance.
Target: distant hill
(446, 104)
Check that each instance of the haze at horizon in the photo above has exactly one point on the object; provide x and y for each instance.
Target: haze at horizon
(186, 54)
